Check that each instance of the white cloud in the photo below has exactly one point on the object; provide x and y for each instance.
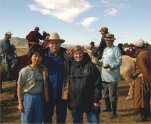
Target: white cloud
(104, 1)
(88, 21)
(88, 29)
(33, 8)
(111, 12)
(66, 10)
(113, 7)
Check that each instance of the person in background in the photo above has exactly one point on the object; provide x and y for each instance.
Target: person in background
(84, 88)
(57, 64)
(142, 75)
(120, 45)
(131, 51)
(45, 43)
(34, 37)
(9, 50)
(99, 51)
(92, 46)
(110, 64)
(30, 88)
(148, 46)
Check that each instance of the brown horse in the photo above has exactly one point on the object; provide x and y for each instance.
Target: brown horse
(2, 73)
(22, 62)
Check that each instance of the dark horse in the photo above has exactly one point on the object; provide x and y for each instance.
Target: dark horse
(23, 61)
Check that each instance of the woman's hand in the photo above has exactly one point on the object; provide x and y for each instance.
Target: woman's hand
(96, 105)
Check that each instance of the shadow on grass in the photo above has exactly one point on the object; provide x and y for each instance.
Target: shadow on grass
(122, 91)
(8, 110)
(8, 106)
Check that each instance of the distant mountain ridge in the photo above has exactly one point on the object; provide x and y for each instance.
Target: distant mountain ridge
(19, 42)
(23, 43)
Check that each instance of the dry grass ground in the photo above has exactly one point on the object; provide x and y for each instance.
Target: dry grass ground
(125, 111)
(10, 114)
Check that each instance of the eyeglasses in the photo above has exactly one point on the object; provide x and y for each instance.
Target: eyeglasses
(55, 43)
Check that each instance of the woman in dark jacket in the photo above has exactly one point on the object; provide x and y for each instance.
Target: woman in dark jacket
(84, 88)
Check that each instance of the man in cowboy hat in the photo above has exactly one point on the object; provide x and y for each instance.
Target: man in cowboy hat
(57, 63)
(110, 63)
(99, 51)
(9, 50)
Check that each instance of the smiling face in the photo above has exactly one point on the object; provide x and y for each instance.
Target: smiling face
(54, 46)
(36, 59)
(78, 56)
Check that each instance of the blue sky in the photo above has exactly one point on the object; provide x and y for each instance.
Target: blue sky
(78, 21)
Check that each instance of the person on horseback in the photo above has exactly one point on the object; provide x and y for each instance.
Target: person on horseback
(92, 46)
(99, 51)
(34, 37)
(9, 51)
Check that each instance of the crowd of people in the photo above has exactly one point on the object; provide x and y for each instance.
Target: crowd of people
(55, 81)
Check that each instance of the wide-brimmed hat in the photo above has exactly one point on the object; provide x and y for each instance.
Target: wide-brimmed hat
(54, 37)
(109, 37)
(8, 33)
(92, 43)
(105, 29)
(139, 43)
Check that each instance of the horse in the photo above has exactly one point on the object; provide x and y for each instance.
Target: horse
(2, 74)
(23, 61)
(126, 70)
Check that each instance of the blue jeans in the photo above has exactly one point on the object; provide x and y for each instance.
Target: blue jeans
(32, 108)
(92, 117)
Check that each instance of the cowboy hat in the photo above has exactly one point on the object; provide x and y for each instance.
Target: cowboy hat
(8, 33)
(54, 37)
(109, 37)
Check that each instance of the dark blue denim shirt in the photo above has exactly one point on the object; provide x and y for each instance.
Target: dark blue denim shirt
(56, 74)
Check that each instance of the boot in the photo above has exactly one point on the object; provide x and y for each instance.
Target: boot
(107, 105)
(9, 74)
(148, 110)
(143, 115)
(13, 71)
(114, 106)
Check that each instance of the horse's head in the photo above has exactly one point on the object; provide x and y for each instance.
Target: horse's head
(23, 61)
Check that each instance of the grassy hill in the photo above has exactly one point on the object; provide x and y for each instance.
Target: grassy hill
(23, 43)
